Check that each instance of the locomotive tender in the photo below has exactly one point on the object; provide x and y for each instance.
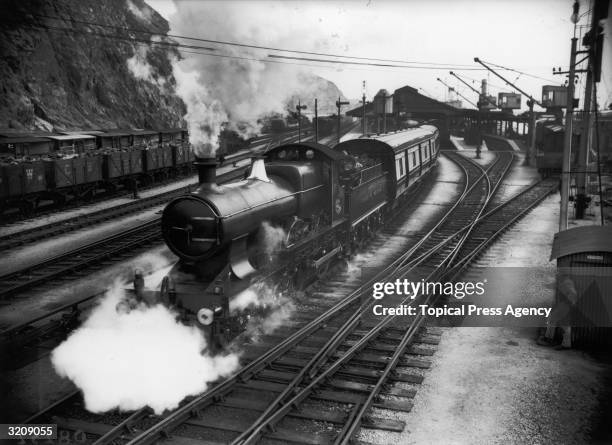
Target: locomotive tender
(323, 202)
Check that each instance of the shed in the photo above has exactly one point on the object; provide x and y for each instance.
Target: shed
(584, 256)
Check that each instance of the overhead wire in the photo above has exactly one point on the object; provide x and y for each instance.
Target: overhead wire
(269, 58)
(519, 71)
(259, 47)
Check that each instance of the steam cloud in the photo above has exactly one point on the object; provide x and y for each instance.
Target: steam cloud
(272, 237)
(234, 92)
(136, 359)
(278, 308)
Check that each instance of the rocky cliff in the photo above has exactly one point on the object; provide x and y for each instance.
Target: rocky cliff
(65, 64)
(74, 64)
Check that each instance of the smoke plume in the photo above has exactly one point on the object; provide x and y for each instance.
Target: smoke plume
(231, 86)
(136, 359)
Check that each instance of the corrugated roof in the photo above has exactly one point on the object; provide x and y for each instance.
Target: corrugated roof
(582, 239)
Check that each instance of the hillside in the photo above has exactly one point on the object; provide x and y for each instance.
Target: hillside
(74, 64)
(63, 73)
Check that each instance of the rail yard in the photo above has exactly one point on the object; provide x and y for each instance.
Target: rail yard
(206, 240)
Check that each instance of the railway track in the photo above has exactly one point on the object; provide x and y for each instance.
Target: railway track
(335, 357)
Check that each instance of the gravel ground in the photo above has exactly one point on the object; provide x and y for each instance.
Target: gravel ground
(42, 250)
(495, 385)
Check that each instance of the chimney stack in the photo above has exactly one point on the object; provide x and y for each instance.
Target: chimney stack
(207, 170)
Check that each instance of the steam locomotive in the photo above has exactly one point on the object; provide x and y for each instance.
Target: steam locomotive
(323, 201)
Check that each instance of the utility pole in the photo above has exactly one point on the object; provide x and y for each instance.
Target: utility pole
(583, 150)
(316, 125)
(567, 141)
(339, 103)
(385, 112)
(363, 109)
(594, 41)
(299, 107)
(530, 102)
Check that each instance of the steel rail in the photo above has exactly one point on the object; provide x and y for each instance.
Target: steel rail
(269, 417)
(407, 257)
(23, 279)
(491, 191)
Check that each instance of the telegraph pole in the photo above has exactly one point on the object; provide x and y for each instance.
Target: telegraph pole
(385, 113)
(316, 125)
(339, 103)
(593, 40)
(583, 150)
(363, 109)
(567, 141)
(299, 107)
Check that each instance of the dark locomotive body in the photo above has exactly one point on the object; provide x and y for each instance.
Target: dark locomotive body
(321, 203)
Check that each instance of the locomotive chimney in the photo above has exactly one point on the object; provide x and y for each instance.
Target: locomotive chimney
(258, 170)
(207, 170)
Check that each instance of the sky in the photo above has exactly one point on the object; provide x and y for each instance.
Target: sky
(530, 36)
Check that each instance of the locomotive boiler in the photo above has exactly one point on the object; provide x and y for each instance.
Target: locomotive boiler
(320, 204)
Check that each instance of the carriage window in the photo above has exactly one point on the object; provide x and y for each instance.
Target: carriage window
(400, 162)
(414, 158)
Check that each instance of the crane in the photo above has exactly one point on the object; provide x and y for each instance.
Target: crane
(530, 103)
(484, 97)
(459, 94)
